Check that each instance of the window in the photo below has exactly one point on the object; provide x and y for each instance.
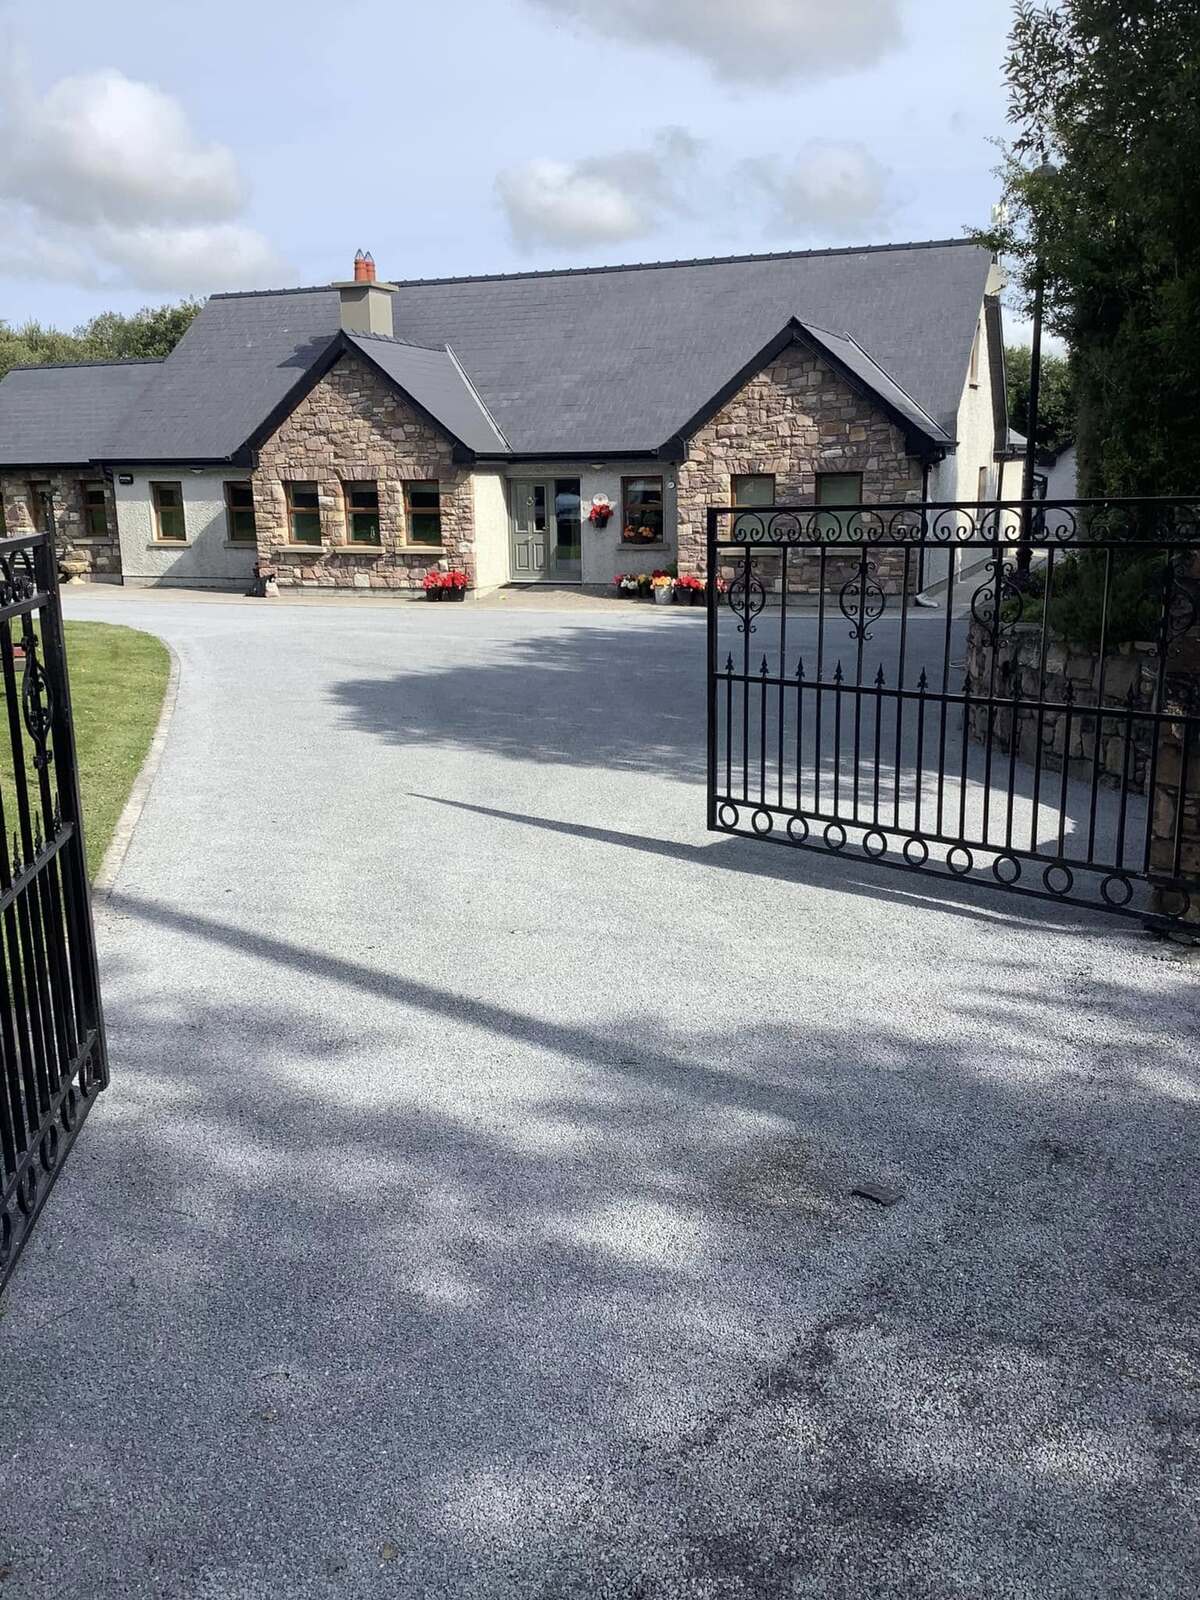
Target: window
(641, 510)
(567, 550)
(754, 489)
(239, 512)
(168, 512)
(95, 511)
(362, 512)
(973, 372)
(304, 513)
(838, 489)
(423, 502)
(981, 490)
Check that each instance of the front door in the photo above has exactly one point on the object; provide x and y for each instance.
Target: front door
(530, 530)
(546, 531)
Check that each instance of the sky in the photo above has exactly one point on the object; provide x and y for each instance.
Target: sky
(150, 150)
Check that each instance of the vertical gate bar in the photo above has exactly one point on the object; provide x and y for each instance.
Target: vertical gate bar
(1038, 753)
(1160, 685)
(81, 937)
(746, 676)
(820, 684)
(965, 759)
(729, 727)
(799, 733)
(711, 615)
(858, 669)
(837, 737)
(1098, 724)
(1014, 739)
(951, 577)
(1123, 808)
(997, 590)
(11, 1006)
(903, 653)
(52, 908)
(1069, 702)
(783, 608)
(879, 684)
(762, 732)
(41, 1032)
(922, 686)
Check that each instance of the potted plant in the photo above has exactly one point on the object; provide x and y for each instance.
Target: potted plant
(601, 511)
(432, 584)
(662, 586)
(627, 585)
(643, 585)
(454, 584)
(689, 590)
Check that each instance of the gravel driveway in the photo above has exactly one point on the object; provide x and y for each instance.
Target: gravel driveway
(470, 1211)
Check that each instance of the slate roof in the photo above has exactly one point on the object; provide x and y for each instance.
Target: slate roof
(438, 384)
(56, 414)
(575, 362)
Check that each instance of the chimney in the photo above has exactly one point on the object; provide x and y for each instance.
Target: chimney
(366, 305)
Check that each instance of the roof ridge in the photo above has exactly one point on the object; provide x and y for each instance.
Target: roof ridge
(100, 361)
(631, 266)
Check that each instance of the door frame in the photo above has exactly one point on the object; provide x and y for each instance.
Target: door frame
(548, 481)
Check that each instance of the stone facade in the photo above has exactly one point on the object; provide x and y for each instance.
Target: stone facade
(80, 552)
(1130, 678)
(794, 419)
(1126, 758)
(352, 427)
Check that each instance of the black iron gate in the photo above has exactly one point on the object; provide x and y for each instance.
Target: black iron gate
(996, 692)
(51, 1028)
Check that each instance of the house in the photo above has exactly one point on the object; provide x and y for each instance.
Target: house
(357, 435)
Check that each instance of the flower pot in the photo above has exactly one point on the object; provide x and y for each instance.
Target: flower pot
(698, 597)
(664, 595)
(433, 594)
(454, 594)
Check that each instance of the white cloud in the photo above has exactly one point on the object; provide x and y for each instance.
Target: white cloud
(827, 187)
(751, 40)
(103, 183)
(104, 148)
(600, 199)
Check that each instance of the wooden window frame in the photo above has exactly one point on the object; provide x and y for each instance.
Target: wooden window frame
(86, 485)
(349, 485)
(290, 486)
(645, 544)
(422, 511)
(973, 364)
(231, 534)
(159, 536)
(740, 477)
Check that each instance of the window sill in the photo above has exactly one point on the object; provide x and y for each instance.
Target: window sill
(639, 544)
(168, 544)
(240, 544)
(298, 550)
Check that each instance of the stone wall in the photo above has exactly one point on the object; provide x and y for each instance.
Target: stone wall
(80, 553)
(796, 418)
(1130, 677)
(1125, 758)
(352, 427)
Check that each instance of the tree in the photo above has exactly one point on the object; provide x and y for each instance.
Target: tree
(152, 332)
(1056, 400)
(1109, 91)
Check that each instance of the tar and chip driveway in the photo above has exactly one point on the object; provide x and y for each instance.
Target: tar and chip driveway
(469, 1213)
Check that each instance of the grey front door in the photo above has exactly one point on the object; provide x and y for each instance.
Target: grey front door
(530, 529)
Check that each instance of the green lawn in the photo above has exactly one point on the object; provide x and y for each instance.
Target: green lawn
(118, 678)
